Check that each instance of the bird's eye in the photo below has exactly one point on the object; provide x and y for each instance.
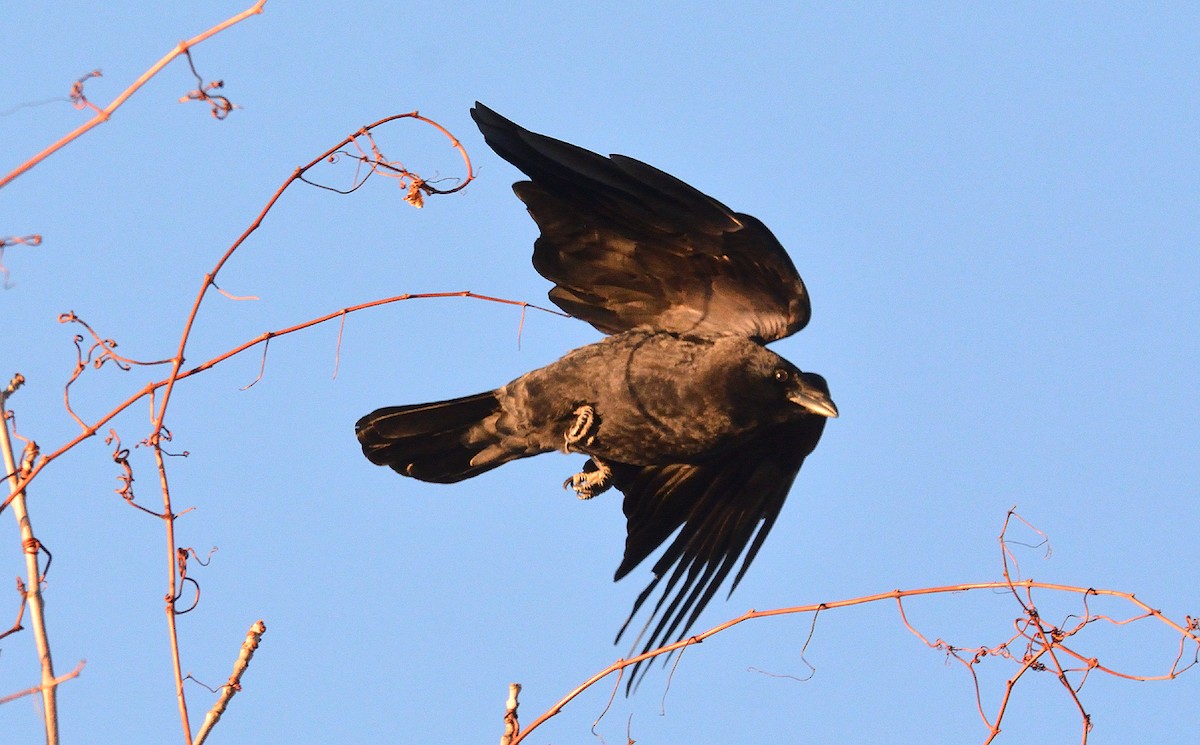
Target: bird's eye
(782, 375)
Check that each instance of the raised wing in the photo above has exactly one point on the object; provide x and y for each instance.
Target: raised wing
(721, 510)
(628, 245)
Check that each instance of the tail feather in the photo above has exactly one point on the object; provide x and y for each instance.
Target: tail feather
(435, 441)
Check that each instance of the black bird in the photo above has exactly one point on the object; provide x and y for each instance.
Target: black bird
(682, 408)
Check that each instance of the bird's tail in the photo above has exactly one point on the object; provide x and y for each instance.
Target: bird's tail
(443, 442)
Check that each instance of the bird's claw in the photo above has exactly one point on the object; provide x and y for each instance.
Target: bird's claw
(583, 429)
(595, 478)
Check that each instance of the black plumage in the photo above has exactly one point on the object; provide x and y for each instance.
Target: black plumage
(682, 408)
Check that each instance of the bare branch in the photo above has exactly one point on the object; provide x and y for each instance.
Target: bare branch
(33, 572)
(1049, 640)
(234, 684)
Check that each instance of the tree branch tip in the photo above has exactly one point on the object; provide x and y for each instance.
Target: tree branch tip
(14, 383)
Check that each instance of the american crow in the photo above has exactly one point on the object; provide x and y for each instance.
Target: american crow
(681, 408)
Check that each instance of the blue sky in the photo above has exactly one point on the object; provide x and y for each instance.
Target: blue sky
(995, 211)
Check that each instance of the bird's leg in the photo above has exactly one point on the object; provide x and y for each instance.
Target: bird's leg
(583, 429)
(595, 478)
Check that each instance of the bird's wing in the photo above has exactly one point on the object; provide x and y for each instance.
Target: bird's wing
(628, 245)
(720, 509)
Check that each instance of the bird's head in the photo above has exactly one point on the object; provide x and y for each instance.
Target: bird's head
(765, 382)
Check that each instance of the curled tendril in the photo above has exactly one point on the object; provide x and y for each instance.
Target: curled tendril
(14, 240)
(21, 240)
(201, 683)
(97, 361)
(221, 105)
(371, 158)
(31, 451)
(195, 600)
(97, 355)
(34, 546)
(181, 562)
(78, 100)
(120, 456)
(107, 347)
(196, 555)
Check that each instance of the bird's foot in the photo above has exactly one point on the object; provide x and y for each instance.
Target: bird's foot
(595, 478)
(583, 429)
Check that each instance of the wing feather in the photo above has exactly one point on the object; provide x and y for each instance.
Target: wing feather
(628, 245)
(717, 511)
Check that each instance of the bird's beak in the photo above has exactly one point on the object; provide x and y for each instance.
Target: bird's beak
(816, 401)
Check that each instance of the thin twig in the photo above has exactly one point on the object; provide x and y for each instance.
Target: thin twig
(39, 688)
(103, 115)
(23, 594)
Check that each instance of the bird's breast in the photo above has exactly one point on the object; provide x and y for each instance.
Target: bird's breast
(659, 399)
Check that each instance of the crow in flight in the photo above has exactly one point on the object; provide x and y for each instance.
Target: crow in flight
(681, 408)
